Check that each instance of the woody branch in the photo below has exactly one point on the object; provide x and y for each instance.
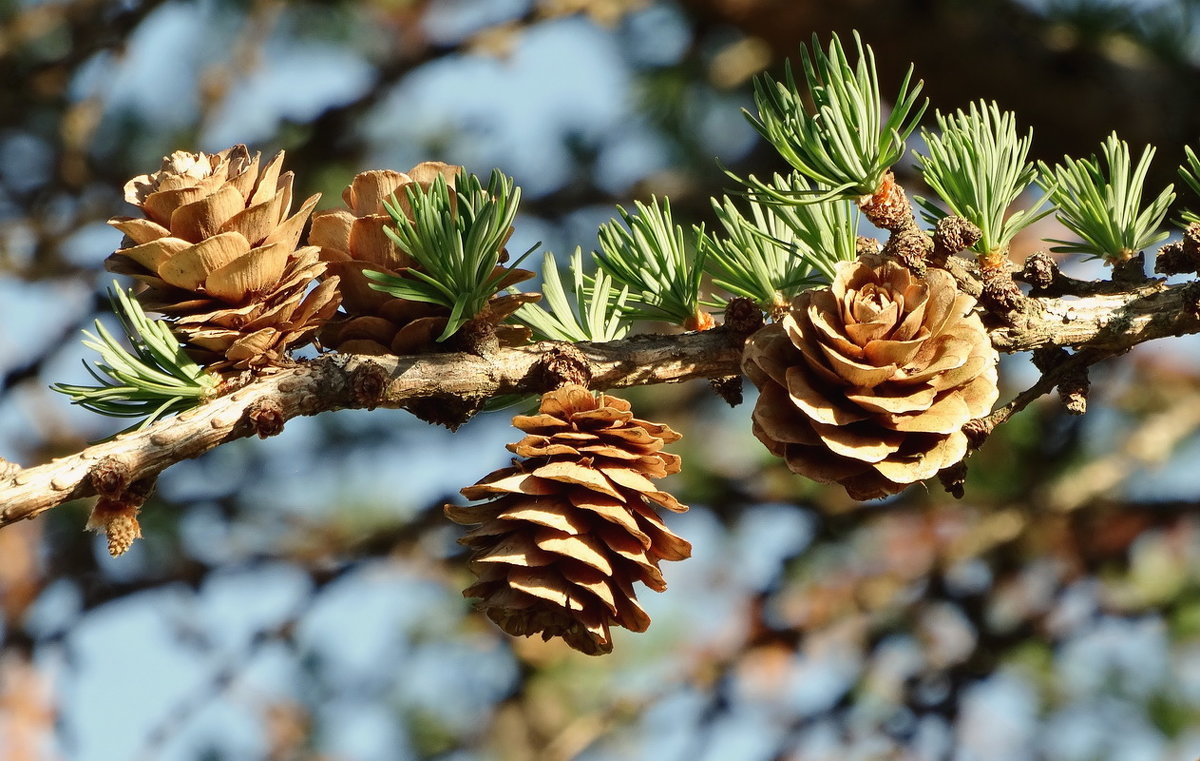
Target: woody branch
(1105, 324)
(339, 381)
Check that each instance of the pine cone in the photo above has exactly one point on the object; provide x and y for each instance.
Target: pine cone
(571, 527)
(352, 240)
(868, 383)
(217, 250)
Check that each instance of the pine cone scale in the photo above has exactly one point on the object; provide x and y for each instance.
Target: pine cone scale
(886, 352)
(855, 373)
(255, 223)
(819, 403)
(550, 513)
(573, 473)
(190, 267)
(246, 278)
(584, 548)
(946, 415)
(893, 398)
(140, 230)
(863, 443)
(513, 549)
(917, 464)
(206, 216)
(780, 425)
(151, 256)
(819, 464)
(509, 481)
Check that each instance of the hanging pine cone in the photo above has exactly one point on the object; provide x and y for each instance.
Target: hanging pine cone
(352, 240)
(217, 250)
(570, 528)
(868, 383)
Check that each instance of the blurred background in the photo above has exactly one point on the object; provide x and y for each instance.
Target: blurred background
(299, 598)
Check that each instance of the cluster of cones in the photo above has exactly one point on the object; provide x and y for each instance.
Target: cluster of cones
(567, 531)
(217, 247)
(867, 383)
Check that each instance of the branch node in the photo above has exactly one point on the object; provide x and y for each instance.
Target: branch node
(909, 246)
(1046, 357)
(1132, 270)
(954, 479)
(110, 476)
(977, 431)
(1182, 256)
(562, 365)
(729, 388)
(742, 317)
(8, 469)
(266, 415)
(115, 515)
(1073, 390)
(864, 245)
(1191, 299)
(368, 381)
(888, 208)
(953, 235)
(1073, 384)
(477, 336)
(1040, 270)
(446, 410)
(1000, 294)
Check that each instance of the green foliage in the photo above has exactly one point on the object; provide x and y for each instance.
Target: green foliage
(1103, 206)
(844, 146)
(156, 379)
(977, 165)
(647, 255)
(1190, 172)
(779, 249)
(595, 315)
(457, 238)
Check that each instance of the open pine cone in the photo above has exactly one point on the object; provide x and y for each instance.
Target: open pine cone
(352, 240)
(570, 528)
(868, 383)
(217, 250)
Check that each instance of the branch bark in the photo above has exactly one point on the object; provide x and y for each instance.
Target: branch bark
(328, 383)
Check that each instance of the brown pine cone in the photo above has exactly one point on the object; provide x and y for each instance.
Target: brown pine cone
(352, 240)
(570, 528)
(217, 250)
(867, 383)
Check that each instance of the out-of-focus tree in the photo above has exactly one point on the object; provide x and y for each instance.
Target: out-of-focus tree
(299, 597)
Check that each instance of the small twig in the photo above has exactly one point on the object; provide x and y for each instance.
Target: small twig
(1051, 377)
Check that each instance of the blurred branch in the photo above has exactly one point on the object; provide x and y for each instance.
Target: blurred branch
(1148, 444)
(1096, 80)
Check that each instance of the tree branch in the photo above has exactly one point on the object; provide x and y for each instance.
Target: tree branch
(450, 387)
(335, 382)
(1102, 315)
